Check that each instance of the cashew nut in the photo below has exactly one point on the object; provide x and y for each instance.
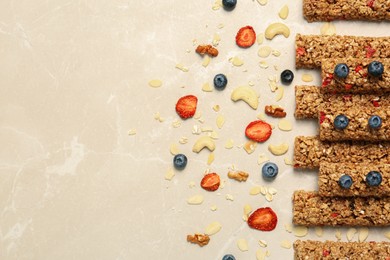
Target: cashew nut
(275, 29)
(278, 149)
(246, 94)
(204, 142)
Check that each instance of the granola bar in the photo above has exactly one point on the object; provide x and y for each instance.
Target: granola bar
(358, 128)
(309, 151)
(330, 173)
(311, 209)
(312, 49)
(325, 10)
(308, 100)
(315, 250)
(358, 79)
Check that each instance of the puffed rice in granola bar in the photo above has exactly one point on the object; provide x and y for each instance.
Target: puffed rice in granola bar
(308, 100)
(312, 49)
(315, 250)
(311, 209)
(325, 10)
(357, 128)
(330, 173)
(309, 151)
(358, 79)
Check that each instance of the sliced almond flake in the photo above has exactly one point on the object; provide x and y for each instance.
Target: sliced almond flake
(191, 184)
(229, 144)
(269, 197)
(181, 67)
(263, 243)
(207, 88)
(351, 233)
(387, 234)
(263, 190)
(216, 40)
(275, 53)
(169, 174)
(260, 38)
(261, 116)
(220, 26)
(196, 130)
(213, 207)
(288, 227)
(247, 209)
(263, 64)
(279, 93)
(283, 13)
(242, 244)
(236, 61)
(213, 228)
(206, 129)
(250, 146)
(216, 108)
(229, 197)
(183, 140)
(206, 60)
(201, 120)
(260, 254)
(222, 185)
(300, 231)
(214, 135)
(217, 5)
(157, 116)
(285, 125)
(363, 234)
(211, 158)
(132, 131)
(267, 253)
(195, 200)
(220, 121)
(276, 67)
(328, 29)
(286, 244)
(176, 123)
(319, 231)
(288, 161)
(155, 83)
(264, 51)
(272, 191)
(262, 2)
(251, 83)
(262, 159)
(194, 42)
(273, 86)
(338, 234)
(174, 149)
(198, 114)
(255, 190)
(188, 50)
(307, 78)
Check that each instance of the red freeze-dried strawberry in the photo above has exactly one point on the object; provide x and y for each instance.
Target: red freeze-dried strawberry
(263, 219)
(301, 51)
(210, 182)
(186, 106)
(348, 86)
(258, 131)
(369, 51)
(246, 37)
(376, 103)
(370, 3)
(322, 117)
(325, 252)
(358, 68)
(327, 80)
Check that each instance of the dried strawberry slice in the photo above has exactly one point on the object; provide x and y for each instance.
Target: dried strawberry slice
(301, 51)
(186, 106)
(246, 37)
(210, 182)
(258, 131)
(263, 219)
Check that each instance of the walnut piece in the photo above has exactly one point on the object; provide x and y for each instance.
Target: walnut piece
(200, 239)
(274, 111)
(238, 175)
(207, 49)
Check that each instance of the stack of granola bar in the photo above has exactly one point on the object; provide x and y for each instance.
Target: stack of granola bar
(352, 150)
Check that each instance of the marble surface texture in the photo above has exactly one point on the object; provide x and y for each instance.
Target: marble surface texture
(74, 81)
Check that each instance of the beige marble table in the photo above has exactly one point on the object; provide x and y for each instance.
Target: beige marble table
(74, 184)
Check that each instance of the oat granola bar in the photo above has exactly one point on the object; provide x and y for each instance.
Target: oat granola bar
(311, 209)
(330, 173)
(325, 10)
(358, 79)
(312, 49)
(309, 151)
(358, 127)
(315, 250)
(308, 101)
